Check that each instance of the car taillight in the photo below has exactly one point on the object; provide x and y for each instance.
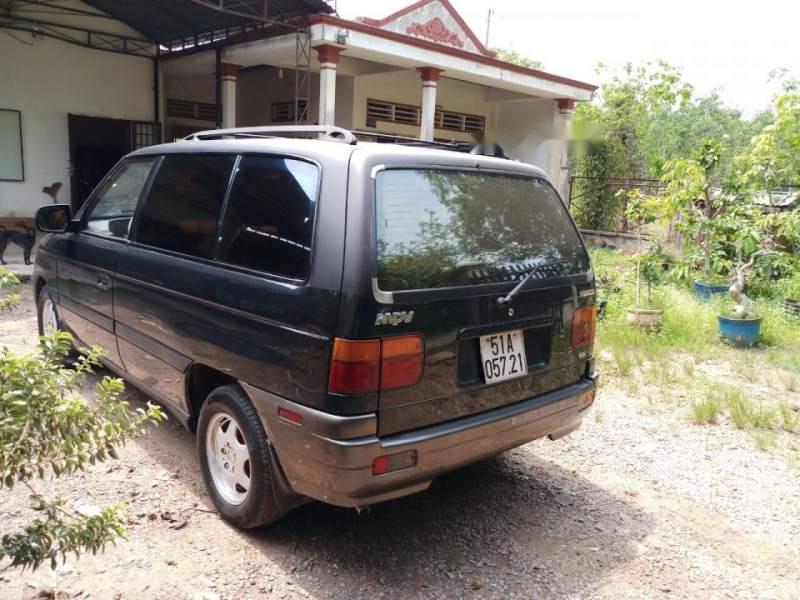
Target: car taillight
(584, 326)
(364, 366)
(402, 359)
(355, 366)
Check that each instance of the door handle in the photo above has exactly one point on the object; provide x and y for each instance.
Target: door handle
(104, 282)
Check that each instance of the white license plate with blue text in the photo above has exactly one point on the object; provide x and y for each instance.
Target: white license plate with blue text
(503, 356)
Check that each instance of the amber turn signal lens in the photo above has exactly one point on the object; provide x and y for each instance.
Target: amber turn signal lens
(584, 326)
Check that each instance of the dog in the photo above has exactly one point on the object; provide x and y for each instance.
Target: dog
(24, 239)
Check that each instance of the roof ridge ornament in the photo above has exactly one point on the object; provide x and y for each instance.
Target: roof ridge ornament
(437, 31)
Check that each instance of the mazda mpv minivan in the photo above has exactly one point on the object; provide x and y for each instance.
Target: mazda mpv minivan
(336, 320)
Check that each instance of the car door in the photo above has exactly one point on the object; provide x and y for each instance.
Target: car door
(162, 272)
(241, 298)
(88, 257)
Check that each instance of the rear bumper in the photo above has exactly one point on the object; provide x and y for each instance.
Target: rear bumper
(329, 458)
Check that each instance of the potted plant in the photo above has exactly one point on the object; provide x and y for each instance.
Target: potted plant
(641, 210)
(742, 326)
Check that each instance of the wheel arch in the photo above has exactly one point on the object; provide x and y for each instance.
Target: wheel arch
(201, 380)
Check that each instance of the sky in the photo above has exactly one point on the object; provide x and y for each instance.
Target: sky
(730, 47)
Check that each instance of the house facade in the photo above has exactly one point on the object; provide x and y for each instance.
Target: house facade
(419, 73)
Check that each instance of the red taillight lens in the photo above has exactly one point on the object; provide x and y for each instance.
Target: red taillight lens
(584, 326)
(402, 360)
(364, 366)
(355, 366)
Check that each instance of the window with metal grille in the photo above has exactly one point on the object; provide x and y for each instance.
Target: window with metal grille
(392, 112)
(454, 121)
(405, 114)
(284, 112)
(188, 109)
(145, 134)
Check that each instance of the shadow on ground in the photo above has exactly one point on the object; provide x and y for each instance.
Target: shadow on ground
(513, 525)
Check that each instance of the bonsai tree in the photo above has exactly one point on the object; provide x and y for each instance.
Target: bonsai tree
(641, 210)
(743, 308)
(652, 267)
(47, 428)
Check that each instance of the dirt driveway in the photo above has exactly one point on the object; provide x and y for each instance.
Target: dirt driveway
(638, 504)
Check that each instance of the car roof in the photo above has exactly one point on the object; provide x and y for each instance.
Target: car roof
(317, 149)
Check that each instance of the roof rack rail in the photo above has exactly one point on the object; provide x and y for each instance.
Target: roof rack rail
(389, 138)
(333, 134)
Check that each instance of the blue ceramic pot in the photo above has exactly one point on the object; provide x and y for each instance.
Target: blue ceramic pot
(704, 291)
(741, 333)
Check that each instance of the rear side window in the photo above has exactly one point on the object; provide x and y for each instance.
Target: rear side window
(182, 210)
(117, 199)
(269, 220)
(445, 228)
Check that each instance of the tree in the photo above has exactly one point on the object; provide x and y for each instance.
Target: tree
(510, 55)
(689, 193)
(47, 428)
(773, 159)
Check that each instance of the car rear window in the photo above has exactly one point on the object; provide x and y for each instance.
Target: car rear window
(444, 228)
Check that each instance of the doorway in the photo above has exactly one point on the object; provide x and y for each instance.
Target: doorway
(96, 144)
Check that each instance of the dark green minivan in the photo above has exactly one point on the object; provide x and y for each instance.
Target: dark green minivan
(337, 320)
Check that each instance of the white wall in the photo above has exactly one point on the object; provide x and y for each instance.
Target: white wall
(47, 79)
(534, 132)
(405, 87)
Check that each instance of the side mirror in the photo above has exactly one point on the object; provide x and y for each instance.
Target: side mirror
(53, 218)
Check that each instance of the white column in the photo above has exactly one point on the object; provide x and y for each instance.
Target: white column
(563, 133)
(230, 76)
(430, 77)
(328, 59)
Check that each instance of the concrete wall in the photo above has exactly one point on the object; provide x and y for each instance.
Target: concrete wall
(47, 79)
(534, 132)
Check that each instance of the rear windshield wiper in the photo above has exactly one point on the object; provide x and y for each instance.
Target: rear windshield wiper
(538, 269)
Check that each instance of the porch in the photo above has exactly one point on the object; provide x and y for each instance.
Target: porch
(370, 80)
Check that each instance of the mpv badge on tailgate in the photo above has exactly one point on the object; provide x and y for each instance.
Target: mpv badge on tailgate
(394, 318)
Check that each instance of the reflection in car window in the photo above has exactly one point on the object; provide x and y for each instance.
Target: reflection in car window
(117, 199)
(269, 221)
(443, 228)
(182, 209)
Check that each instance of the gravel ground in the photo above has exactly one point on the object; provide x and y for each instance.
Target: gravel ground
(639, 503)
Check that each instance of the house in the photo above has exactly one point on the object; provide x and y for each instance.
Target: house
(86, 82)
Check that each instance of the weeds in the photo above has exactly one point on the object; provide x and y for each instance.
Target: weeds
(705, 411)
(789, 418)
(789, 381)
(764, 440)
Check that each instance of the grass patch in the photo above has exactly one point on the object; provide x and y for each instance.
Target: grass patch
(790, 381)
(764, 440)
(689, 326)
(789, 418)
(706, 411)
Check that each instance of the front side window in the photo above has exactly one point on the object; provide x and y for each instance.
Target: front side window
(269, 222)
(182, 210)
(446, 228)
(117, 199)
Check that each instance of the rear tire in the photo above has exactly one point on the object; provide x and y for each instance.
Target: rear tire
(234, 457)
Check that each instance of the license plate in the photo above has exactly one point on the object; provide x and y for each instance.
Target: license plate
(503, 356)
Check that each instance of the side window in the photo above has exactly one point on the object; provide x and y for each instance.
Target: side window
(182, 210)
(117, 199)
(269, 220)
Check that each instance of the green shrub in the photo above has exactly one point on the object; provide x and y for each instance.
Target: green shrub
(47, 428)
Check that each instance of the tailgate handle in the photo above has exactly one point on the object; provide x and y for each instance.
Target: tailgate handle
(473, 332)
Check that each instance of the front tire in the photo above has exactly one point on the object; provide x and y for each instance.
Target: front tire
(234, 458)
(48, 320)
